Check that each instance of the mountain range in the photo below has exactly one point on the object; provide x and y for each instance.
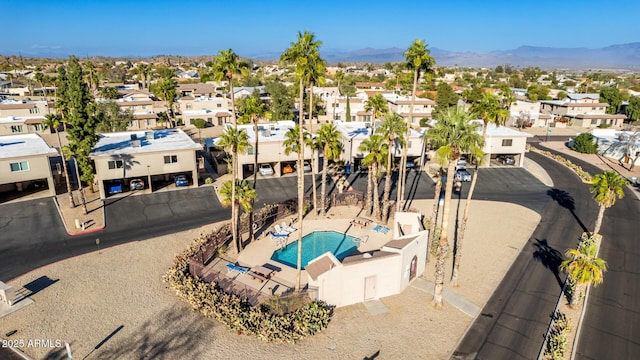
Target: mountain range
(623, 56)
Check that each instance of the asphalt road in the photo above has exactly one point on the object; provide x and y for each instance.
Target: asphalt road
(514, 321)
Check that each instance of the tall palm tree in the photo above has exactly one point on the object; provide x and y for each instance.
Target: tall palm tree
(376, 149)
(583, 266)
(453, 135)
(418, 60)
(53, 121)
(227, 64)
(377, 104)
(92, 75)
(475, 155)
(329, 140)
(236, 141)
(392, 128)
(490, 110)
(606, 189)
(314, 75)
(298, 54)
(245, 197)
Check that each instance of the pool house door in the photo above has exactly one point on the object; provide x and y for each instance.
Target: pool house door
(370, 287)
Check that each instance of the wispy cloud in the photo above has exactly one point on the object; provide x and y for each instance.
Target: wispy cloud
(38, 46)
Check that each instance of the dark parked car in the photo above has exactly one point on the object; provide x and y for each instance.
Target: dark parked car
(507, 159)
(136, 184)
(181, 180)
(462, 175)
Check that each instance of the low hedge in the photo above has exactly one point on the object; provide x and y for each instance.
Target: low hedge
(238, 314)
(585, 176)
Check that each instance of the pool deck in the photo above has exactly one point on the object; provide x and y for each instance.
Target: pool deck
(260, 251)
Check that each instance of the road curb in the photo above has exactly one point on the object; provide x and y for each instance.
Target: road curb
(76, 233)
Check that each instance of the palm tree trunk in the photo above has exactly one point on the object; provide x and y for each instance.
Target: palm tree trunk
(300, 188)
(82, 197)
(323, 191)
(376, 194)
(387, 186)
(313, 169)
(434, 212)
(598, 224)
(403, 162)
(66, 171)
(367, 202)
(443, 246)
(461, 231)
(255, 175)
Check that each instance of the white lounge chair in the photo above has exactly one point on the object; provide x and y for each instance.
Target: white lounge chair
(275, 235)
(287, 228)
(280, 231)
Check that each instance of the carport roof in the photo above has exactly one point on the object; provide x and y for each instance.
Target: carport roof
(121, 143)
(493, 130)
(21, 145)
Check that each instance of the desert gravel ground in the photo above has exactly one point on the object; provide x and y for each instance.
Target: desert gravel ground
(112, 304)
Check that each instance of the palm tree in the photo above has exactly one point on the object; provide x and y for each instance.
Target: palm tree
(313, 144)
(305, 48)
(418, 60)
(475, 155)
(236, 141)
(53, 121)
(314, 75)
(583, 266)
(245, 197)
(490, 110)
(392, 128)
(377, 104)
(226, 66)
(329, 141)
(606, 189)
(376, 150)
(453, 135)
(92, 75)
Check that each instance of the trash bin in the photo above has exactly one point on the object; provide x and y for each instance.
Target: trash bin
(347, 169)
(634, 180)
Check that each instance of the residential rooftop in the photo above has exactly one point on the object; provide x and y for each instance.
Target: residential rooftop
(21, 145)
(273, 131)
(361, 129)
(136, 142)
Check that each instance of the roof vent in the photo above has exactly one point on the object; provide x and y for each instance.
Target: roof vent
(149, 135)
(135, 143)
(134, 137)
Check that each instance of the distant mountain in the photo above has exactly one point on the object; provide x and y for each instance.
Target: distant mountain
(623, 56)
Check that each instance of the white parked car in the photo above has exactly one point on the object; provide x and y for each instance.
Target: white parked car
(265, 169)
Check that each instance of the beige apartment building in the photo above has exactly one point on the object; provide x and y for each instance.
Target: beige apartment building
(23, 116)
(24, 163)
(216, 111)
(588, 113)
(154, 156)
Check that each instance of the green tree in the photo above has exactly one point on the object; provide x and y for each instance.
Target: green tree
(585, 143)
(561, 95)
(583, 267)
(54, 122)
(281, 101)
(314, 74)
(445, 98)
(329, 140)
(78, 109)
(200, 124)
(490, 111)
(453, 135)
(91, 74)
(243, 194)
(165, 90)
(236, 141)
(606, 189)
(110, 118)
(419, 60)
(377, 105)
(633, 109)
(611, 96)
(393, 129)
(339, 77)
(375, 149)
(301, 54)
(108, 92)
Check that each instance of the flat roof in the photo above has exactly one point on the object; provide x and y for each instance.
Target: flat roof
(120, 143)
(267, 132)
(493, 130)
(19, 119)
(21, 145)
(361, 130)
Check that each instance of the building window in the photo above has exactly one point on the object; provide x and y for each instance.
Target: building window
(188, 106)
(170, 159)
(593, 108)
(19, 166)
(149, 122)
(38, 127)
(507, 142)
(16, 128)
(34, 111)
(594, 121)
(131, 124)
(250, 150)
(219, 105)
(116, 164)
(337, 117)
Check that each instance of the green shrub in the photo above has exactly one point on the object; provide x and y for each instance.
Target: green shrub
(208, 180)
(585, 176)
(604, 126)
(238, 314)
(423, 122)
(557, 341)
(585, 144)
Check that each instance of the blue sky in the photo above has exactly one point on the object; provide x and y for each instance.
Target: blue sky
(250, 28)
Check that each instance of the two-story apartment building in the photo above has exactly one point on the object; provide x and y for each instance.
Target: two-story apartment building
(401, 105)
(196, 90)
(527, 114)
(587, 113)
(154, 156)
(22, 116)
(502, 140)
(271, 149)
(143, 109)
(24, 163)
(353, 133)
(214, 110)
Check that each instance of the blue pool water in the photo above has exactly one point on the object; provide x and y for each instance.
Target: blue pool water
(316, 244)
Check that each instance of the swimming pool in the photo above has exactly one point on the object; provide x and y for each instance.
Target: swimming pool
(316, 244)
